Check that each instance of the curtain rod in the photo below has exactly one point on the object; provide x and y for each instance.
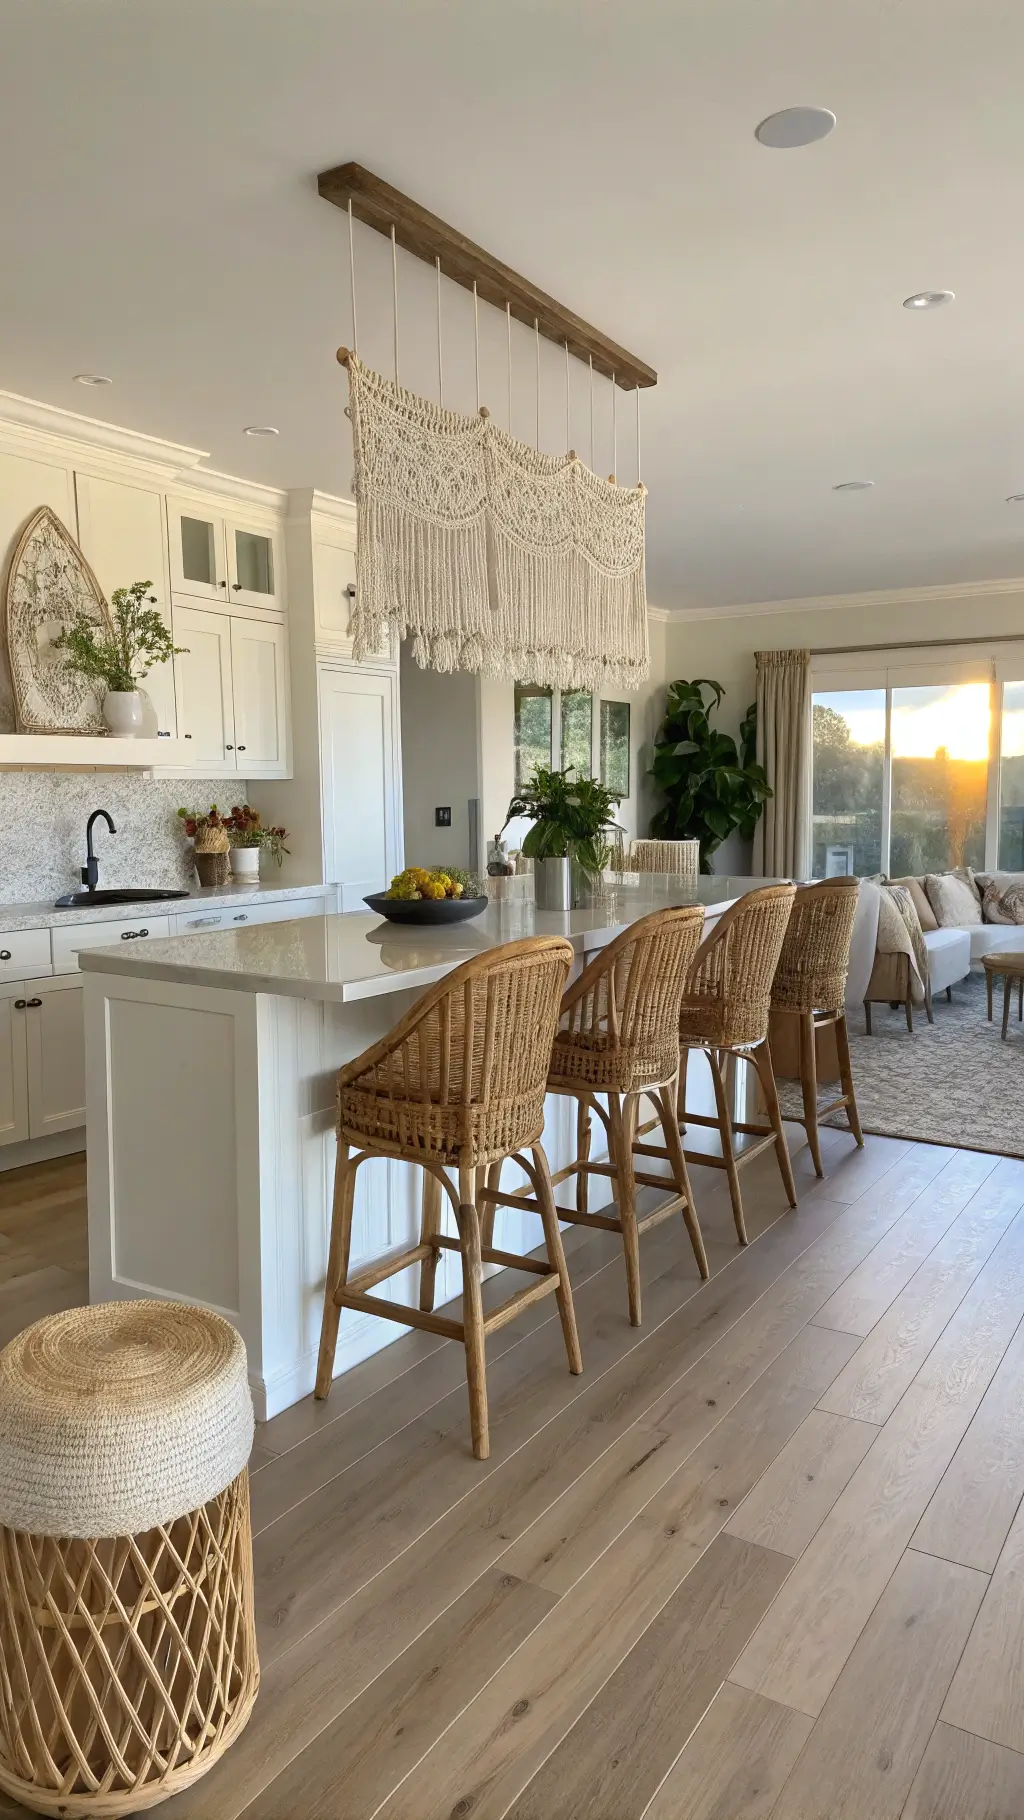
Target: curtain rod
(921, 644)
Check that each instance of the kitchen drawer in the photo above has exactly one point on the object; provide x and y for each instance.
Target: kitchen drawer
(282, 911)
(67, 942)
(25, 954)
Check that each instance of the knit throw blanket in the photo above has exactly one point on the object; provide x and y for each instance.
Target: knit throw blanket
(491, 555)
(899, 932)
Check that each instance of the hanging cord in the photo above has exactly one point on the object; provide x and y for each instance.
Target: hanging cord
(536, 331)
(568, 408)
(591, 411)
(394, 285)
(352, 278)
(508, 333)
(638, 435)
(615, 436)
(476, 335)
(440, 362)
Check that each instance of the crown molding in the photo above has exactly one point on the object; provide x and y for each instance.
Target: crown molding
(89, 437)
(662, 615)
(305, 502)
(879, 597)
(252, 493)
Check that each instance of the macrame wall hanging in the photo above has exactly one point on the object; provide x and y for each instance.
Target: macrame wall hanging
(488, 553)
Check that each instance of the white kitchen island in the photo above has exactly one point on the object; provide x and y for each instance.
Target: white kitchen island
(210, 1066)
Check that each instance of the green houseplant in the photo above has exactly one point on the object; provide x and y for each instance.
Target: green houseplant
(120, 657)
(249, 838)
(571, 816)
(710, 788)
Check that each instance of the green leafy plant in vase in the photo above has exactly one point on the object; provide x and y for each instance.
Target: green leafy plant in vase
(710, 787)
(571, 819)
(121, 655)
(248, 838)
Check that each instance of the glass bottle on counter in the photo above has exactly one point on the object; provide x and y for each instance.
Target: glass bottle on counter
(498, 863)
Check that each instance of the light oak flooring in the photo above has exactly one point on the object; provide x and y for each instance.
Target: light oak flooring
(765, 1558)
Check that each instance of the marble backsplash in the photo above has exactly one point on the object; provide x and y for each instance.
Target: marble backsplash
(42, 829)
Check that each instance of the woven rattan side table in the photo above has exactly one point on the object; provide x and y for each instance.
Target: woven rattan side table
(1011, 967)
(126, 1589)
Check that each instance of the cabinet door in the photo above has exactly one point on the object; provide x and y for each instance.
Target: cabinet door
(13, 1063)
(55, 1034)
(195, 540)
(202, 680)
(121, 530)
(361, 790)
(255, 565)
(259, 672)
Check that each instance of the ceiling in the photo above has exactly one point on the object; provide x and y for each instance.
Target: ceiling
(160, 224)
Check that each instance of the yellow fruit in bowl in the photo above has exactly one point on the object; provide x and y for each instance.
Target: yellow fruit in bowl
(432, 889)
(455, 889)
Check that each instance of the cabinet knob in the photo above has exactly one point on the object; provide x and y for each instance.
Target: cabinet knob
(126, 935)
(188, 736)
(229, 748)
(222, 584)
(5, 954)
(19, 1004)
(240, 919)
(237, 586)
(34, 1003)
(241, 748)
(152, 600)
(143, 931)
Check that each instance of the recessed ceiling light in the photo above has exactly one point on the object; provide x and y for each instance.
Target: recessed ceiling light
(852, 486)
(928, 300)
(92, 379)
(794, 126)
(1015, 499)
(261, 429)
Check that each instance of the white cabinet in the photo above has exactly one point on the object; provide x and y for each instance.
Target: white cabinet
(362, 813)
(202, 674)
(230, 560)
(334, 597)
(232, 685)
(13, 1064)
(42, 1058)
(259, 681)
(121, 531)
(55, 1036)
(68, 940)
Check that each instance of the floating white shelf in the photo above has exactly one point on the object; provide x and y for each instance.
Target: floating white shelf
(48, 750)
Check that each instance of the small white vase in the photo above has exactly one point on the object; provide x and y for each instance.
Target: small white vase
(122, 711)
(245, 862)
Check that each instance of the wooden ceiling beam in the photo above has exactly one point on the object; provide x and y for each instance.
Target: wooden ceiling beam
(429, 238)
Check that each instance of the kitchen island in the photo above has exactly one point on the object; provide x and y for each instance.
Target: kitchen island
(210, 1067)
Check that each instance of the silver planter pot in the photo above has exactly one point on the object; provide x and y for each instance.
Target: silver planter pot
(553, 884)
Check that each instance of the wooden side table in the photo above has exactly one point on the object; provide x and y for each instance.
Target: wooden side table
(1011, 966)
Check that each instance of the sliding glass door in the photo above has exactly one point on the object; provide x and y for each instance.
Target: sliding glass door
(939, 743)
(849, 764)
(1011, 779)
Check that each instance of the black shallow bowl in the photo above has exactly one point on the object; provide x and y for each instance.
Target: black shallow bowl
(426, 910)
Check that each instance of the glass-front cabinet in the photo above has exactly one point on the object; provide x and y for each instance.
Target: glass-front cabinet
(228, 560)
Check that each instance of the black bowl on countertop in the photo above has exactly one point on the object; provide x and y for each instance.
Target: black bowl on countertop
(429, 912)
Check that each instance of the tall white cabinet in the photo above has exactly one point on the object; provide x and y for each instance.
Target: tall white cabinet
(359, 763)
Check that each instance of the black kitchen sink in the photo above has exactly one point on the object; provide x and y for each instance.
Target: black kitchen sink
(81, 900)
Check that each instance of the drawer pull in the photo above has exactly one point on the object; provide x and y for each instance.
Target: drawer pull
(5, 954)
(19, 1004)
(205, 922)
(34, 1002)
(240, 919)
(143, 931)
(126, 935)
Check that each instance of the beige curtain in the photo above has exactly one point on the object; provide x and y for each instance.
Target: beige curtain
(782, 841)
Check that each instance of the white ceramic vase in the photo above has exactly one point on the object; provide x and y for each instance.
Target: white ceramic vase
(245, 862)
(122, 711)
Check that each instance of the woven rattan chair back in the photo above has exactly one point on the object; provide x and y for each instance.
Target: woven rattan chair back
(461, 1080)
(619, 1026)
(812, 969)
(678, 856)
(726, 998)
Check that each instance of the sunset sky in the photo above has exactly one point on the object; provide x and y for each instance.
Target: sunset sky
(923, 719)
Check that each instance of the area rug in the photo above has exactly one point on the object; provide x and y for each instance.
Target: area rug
(952, 1082)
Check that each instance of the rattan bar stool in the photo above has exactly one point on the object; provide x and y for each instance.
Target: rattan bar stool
(618, 1037)
(128, 1658)
(810, 984)
(725, 1009)
(458, 1084)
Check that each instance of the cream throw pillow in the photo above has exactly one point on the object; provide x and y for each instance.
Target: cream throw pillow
(954, 901)
(925, 913)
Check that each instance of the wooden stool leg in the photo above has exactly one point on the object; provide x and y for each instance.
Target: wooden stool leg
(809, 1088)
(430, 1226)
(622, 1133)
(337, 1266)
(988, 991)
(1020, 999)
(949, 995)
(473, 1314)
(684, 1056)
(584, 1137)
(488, 1212)
(1007, 989)
(665, 1101)
(909, 1007)
(556, 1256)
(728, 1148)
(762, 1060)
(846, 1077)
(867, 1017)
(929, 1013)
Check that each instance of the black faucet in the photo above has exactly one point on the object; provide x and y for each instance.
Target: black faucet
(91, 869)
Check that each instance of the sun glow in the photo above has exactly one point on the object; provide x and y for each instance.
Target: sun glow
(925, 720)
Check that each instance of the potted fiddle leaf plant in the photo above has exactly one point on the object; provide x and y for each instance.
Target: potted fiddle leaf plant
(710, 787)
(121, 655)
(568, 842)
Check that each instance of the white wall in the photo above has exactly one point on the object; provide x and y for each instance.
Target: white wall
(440, 762)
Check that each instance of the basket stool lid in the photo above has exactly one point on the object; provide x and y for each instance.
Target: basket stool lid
(119, 1417)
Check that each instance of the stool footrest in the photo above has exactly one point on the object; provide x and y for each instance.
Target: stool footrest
(401, 1312)
(511, 1259)
(386, 1267)
(507, 1311)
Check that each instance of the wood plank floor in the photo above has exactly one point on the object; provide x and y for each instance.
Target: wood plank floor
(765, 1558)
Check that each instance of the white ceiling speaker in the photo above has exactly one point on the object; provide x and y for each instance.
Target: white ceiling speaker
(92, 379)
(852, 486)
(928, 300)
(1015, 499)
(261, 429)
(794, 126)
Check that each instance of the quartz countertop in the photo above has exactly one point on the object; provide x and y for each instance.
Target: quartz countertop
(344, 958)
(207, 897)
